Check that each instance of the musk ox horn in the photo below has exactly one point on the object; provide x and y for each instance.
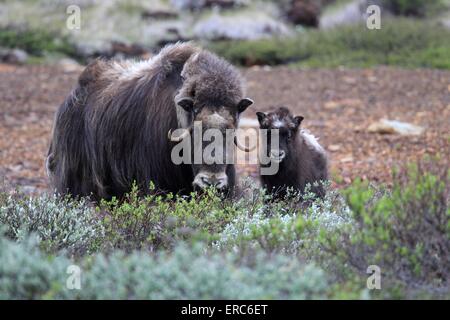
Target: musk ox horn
(172, 138)
(240, 146)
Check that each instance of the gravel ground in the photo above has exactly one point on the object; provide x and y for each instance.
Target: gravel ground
(338, 106)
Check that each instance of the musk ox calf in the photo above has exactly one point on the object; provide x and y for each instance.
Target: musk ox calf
(301, 159)
(112, 130)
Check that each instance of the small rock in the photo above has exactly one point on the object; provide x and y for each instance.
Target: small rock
(239, 27)
(334, 147)
(70, 65)
(304, 12)
(331, 105)
(202, 4)
(347, 159)
(159, 14)
(13, 56)
(28, 189)
(350, 103)
(385, 126)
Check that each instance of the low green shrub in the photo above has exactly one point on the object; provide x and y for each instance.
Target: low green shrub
(400, 42)
(286, 225)
(418, 8)
(36, 41)
(60, 223)
(204, 246)
(26, 272)
(405, 231)
(187, 273)
(158, 221)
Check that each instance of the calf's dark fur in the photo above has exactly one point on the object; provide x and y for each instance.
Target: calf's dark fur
(301, 159)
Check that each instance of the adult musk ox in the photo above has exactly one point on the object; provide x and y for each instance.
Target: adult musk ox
(301, 159)
(112, 130)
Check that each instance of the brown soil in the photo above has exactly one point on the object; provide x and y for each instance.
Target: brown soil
(338, 106)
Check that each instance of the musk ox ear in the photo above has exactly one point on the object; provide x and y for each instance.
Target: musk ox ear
(262, 118)
(297, 121)
(186, 103)
(244, 104)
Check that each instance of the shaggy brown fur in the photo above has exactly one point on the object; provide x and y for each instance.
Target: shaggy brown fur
(301, 159)
(112, 129)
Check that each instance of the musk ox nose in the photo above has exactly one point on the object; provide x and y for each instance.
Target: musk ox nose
(205, 179)
(277, 155)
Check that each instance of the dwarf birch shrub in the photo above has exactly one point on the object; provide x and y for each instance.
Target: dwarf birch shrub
(287, 225)
(406, 231)
(186, 273)
(60, 223)
(190, 273)
(418, 8)
(204, 246)
(26, 272)
(402, 42)
(159, 221)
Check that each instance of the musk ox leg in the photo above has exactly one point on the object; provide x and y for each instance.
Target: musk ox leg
(50, 165)
(66, 163)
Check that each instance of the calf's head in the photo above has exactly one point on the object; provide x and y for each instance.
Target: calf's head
(281, 125)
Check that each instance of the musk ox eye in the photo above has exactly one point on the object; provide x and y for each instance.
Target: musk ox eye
(197, 110)
(186, 103)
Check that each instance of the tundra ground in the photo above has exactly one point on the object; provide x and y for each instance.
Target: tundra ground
(338, 106)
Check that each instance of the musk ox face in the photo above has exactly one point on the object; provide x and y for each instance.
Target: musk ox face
(209, 103)
(281, 125)
(211, 133)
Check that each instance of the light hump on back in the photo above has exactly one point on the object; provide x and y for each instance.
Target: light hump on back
(167, 59)
(311, 141)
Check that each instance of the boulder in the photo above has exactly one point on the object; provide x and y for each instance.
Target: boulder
(385, 126)
(127, 50)
(202, 4)
(13, 56)
(304, 12)
(113, 49)
(69, 65)
(348, 13)
(159, 14)
(240, 26)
